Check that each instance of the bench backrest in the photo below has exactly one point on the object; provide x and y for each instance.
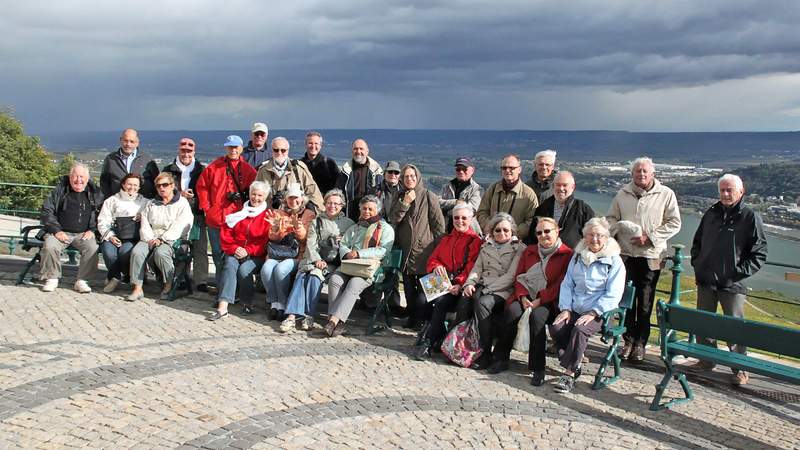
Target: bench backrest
(627, 296)
(773, 338)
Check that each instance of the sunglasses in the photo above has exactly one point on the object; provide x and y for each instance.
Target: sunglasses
(259, 133)
(461, 169)
(461, 217)
(187, 144)
(546, 231)
(280, 150)
(392, 172)
(161, 185)
(502, 230)
(511, 168)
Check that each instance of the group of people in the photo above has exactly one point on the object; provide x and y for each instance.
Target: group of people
(297, 224)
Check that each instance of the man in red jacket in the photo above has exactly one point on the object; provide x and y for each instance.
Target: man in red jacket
(222, 190)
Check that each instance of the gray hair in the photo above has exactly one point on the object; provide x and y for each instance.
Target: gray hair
(370, 199)
(259, 186)
(335, 192)
(596, 222)
(77, 166)
(281, 139)
(464, 206)
(549, 154)
(317, 134)
(503, 217)
(565, 173)
(642, 160)
(736, 179)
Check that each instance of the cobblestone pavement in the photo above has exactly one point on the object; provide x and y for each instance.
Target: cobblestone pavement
(95, 371)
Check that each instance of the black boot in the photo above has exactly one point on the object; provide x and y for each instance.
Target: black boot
(423, 352)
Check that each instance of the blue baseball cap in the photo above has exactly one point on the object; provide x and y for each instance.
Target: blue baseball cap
(233, 141)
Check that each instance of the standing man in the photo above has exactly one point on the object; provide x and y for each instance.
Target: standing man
(570, 213)
(544, 172)
(729, 247)
(69, 218)
(221, 190)
(359, 177)
(390, 187)
(461, 189)
(280, 171)
(256, 152)
(509, 195)
(128, 159)
(654, 207)
(186, 171)
(324, 169)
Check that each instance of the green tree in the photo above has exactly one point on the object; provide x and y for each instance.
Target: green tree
(22, 160)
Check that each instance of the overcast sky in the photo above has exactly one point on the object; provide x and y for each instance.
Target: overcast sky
(623, 65)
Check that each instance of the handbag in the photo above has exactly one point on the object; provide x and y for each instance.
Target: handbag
(126, 228)
(286, 248)
(522, 342)
(328, 248)
(462, 345)
(360, 267)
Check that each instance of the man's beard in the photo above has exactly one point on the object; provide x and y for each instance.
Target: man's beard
(360, 159)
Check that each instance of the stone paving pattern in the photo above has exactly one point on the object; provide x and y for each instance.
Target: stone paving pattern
(94, 371)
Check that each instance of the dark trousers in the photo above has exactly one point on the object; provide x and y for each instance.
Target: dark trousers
(540, 317)
(637, 321)
(441, 306)
(732, 305)
(571, 339)
(487, 308)
(418, 308)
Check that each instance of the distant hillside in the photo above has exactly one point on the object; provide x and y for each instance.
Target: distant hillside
(764, 180)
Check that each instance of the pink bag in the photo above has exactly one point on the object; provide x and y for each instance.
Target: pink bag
(462, 345)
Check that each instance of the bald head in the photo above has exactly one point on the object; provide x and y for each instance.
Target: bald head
(78, 177)
(129, 141)
(360, 151)
(563, 186)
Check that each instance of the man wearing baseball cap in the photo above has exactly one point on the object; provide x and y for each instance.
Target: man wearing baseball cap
(256, 152)
(390, 186)
(461, 189)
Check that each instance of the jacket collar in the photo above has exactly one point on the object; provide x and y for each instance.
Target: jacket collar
(605, 255)
(373, 166)
(631, 188)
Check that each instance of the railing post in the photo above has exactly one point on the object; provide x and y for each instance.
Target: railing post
(677, 268)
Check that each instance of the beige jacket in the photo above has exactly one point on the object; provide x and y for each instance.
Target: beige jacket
(268, 174)
(521, 203)
(168, 222)
(118, 205)
(495, 268)
(656, 211)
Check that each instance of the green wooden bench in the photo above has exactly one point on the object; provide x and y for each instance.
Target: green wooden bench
(29, 241)
(383, 285)
(763, 336)
(182, 259)
(612, 330)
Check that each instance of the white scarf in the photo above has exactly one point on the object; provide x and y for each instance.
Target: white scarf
(185, 173)
(247, 211)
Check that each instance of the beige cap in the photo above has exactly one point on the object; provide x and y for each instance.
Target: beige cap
(258, 126)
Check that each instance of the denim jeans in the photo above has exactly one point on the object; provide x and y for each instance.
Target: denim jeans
(305, 295)
(238, 272)
(117, 259)
(216, 253)
(277, 278)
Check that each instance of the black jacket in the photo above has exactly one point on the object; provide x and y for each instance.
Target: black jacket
(54, 203)
(114, 170)
(193, 176)
(728, 249)
(324, 170)
(575, 215)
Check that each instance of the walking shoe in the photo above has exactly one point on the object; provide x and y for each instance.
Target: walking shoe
(423, 352)
(217, 316)
(329, 328)
(202, 287)
(701, 366)
(498, 366)
(134, 296)
(111, 285)
(740, 378)
(565, 384)
(483, 362)
(50, 285)
(538, 378)
(82, 287)
(287, 325)
(307, 323)
(625, 353)
(247, 310)
(165, 291)
(637, 354)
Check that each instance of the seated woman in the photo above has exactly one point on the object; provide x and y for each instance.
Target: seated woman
(593, 285)
(118, 225)
(287, 236)
(243, 237)
(538, 281)
(321, 260)
(491, 280)
(164, 220)
(370, 238)
(453, 257)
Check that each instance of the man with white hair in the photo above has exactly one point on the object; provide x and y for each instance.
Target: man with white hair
(69, 218)
(256, 152)
(543, 174)
(280, 171)
(729, 246)
(654, 207)
(360, 176)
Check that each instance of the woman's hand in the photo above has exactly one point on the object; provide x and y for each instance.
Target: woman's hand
(152, 243)
(352, 254)
(240, 253)
(320, 264)
(586, 318)
(454, 289)
(115, 241)
(440, 270)
(563, 316)
(469, 290)
(526, 302)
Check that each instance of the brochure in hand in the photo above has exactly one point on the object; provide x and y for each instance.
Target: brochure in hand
(434, 285)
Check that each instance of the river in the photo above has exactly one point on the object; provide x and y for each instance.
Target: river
(768, 278)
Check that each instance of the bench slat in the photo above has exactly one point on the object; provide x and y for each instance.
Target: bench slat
(735, 360)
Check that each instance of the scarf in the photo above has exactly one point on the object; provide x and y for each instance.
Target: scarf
(185, 172)
(247, 211)
(372, 237)
(360, 176)
(509, 186)
(535, 278)
(280, 169)
(128, 197)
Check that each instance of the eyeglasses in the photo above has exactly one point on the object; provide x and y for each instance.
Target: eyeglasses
(461, 169)
(333, 204)
(392, 172)
(161, 185)
(280, 150)
(545, 231)
(186, 144)
(509, 168)
(502, 230)
(259, 133)
(461, 217)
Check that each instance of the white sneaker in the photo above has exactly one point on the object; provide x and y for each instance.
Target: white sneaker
(50, 285)
(287, 325)
(111, 286)
(82, 286)
(307, 323)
